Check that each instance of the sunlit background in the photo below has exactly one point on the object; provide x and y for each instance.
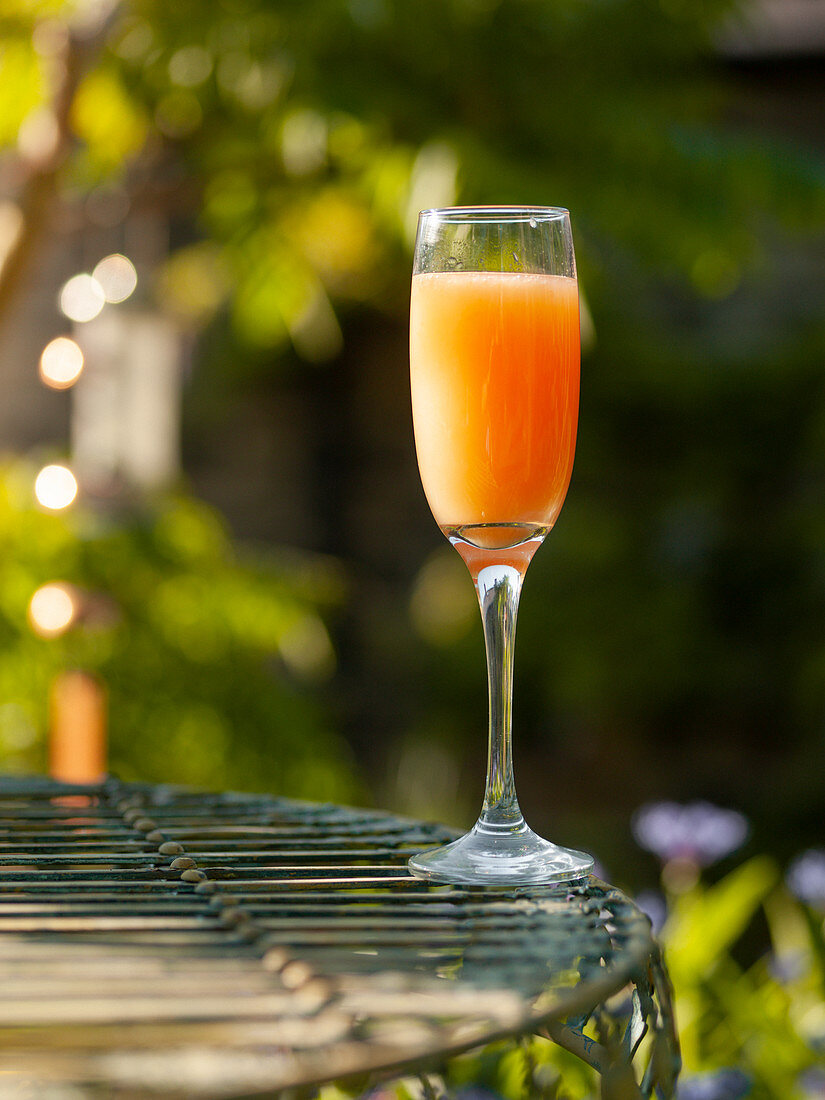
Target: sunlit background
(215, 545)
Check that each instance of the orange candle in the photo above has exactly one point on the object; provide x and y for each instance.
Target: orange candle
(77, 744)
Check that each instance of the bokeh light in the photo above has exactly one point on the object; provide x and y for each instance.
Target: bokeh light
(52, 609)
(178, 113)
(304, 142)
(116, 276)
(82, 298)
(190, 66)
(307, 649)
(443, 607)
(39, 135)
(61, 363)
(55, 487)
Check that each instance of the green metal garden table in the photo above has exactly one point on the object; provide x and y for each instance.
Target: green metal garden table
(160, 942)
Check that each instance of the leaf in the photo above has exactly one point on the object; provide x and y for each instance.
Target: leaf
(704, 924)
(21, 86)
(111, 122)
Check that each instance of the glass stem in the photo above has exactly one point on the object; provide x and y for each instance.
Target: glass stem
(499, 588)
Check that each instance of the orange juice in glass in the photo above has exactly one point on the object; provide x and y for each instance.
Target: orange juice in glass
(494, 371)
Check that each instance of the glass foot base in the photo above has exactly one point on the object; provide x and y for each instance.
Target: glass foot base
(501, 856)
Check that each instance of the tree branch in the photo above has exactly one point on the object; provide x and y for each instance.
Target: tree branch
(38, 193)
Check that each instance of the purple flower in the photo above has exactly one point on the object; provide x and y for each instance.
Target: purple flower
(654, 907)
(806, 877)
(812, 1083)
(788, 967)
(697, 832)
(722, 1084)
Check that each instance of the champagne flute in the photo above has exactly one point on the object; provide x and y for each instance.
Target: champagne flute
(494, 370)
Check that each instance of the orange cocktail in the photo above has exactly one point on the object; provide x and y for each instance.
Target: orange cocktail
(494, 360)
(494, 368)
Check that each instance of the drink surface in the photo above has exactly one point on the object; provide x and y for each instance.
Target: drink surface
(494, 368)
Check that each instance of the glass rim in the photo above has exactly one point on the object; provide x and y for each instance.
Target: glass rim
(491, 213)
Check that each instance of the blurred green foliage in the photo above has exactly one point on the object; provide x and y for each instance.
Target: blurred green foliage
(303, 137)
(211, 658)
